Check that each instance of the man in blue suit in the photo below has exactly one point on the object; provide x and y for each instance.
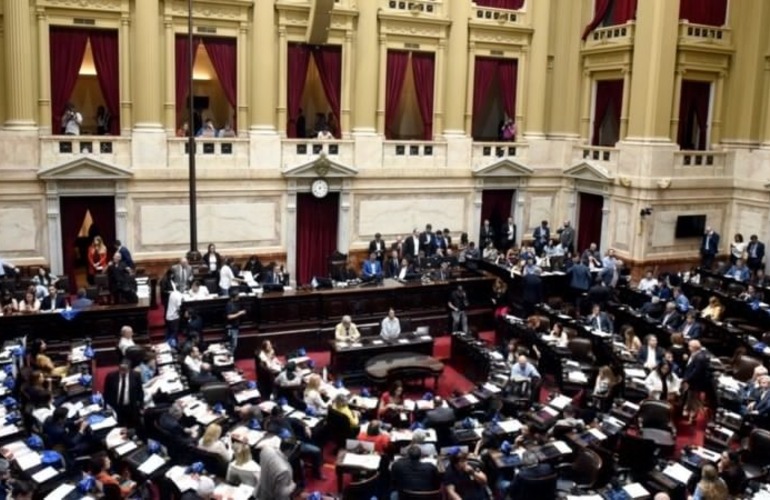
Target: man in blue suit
(579, 277)
(738, 272)
(125, 255)
(690, 328)
(755, 252)
(681, 300)
(531, 480)
(372, 269)
(709, 248)
(541, 235)
(599, 320)
(762, 405)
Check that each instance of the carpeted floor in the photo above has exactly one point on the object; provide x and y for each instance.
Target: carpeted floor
(451, 380)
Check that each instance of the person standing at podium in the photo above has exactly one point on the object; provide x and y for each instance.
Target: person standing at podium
(390, 328)
(346, 330)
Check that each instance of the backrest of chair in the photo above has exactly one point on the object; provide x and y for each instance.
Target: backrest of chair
(216, 392)
(744, 367)
(101, 281)
(759, 445)
(539, 487)
(406, 325)
(111, 492)
(655, 414)
(421, 495)
(135, 355)
(213, 462)
(364, 488)
(636, 453)
(587, 466)
(581, 348)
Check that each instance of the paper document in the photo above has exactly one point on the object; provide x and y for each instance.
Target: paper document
(510, 426)
(153, 463)
(61, 492)
(678, 472)
(44, 475)
(28, 460)
(369, 462)
(104, 424)
(125, 448)
(562, 447)
(636, 490)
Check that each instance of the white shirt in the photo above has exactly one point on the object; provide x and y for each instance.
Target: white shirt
(195, 365)
(174, 304)
(72, 125)
(125, 343)
(124, 390)
(202, 293)
(416, 242)
(647, 284)
(272, 363)
(313, 398)
(402, 273)
(736, 249)
(212, 263)
(390, 329)
(655, 385)
(226, 277)
(652, 360)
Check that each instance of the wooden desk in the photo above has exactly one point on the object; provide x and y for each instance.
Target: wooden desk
(385, 367)
(349, 360)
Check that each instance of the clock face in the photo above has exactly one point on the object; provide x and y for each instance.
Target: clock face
(320, 188)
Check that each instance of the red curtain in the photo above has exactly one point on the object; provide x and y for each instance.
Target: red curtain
(601, 8)
(609, 99)
(299, 58)
(394, 83)
(693, 115)
(623, 11)
(496, 206)
(67, 47)
(501, 4)
(222, 53)
(484, 75)
(507, 71)
(589, 221)
(73, 210)
(422, 67)
(709, 12)
(104, 47)
(183, 72)
(328, 60)
(316, 234)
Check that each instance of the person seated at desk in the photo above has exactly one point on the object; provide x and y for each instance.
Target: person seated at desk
(751, 390)
(750, 295)
(198, 291)
(313, 395)
(471, 253)
(8, 303)
(761, 406)
(681, 301)
(648, 284)
(651, 354)
(126, 339)
(375, 434)
(288, 378)
(410, 473)
(463, 481)
(341, 405)
(443, 273)
(526, 485)
(732, 473)
(212, 442)
(690, 328)
(738, 272)
(557, 336)
(372, 269)
(43, 362)
(30, 304)
(671, 318)
(60, 434)
(169, 421)
(569, 420)
(147, 368)
(710, 486)
(200, 372)
(392, 265)
(346, 331)
(82, 301)
(37, 391)
(598, 320)
(391, 403)
(390, 328)
(760, 280)
(406, 271)
(243, 469)
(54, 301)
(630, 340)
(662, 383)
(605, 381)
(714, 310)
(100, 468)
(523, 369)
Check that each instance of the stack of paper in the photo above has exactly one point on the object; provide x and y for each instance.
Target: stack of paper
(228, 492)
(678, 472)
(61, 492)
(153, 463)
(368, 462)
(44, 475)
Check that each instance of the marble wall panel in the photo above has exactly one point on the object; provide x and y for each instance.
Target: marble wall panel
(623, 225)
(663, 231)
(18, 230)
(541, 207)
(398, 215)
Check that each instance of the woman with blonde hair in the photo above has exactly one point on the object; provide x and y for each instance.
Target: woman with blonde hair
(714, 310)
(211, 441)
(630, 340)
(312, 396)
(711, 486)
(97, 259)
(243, 469)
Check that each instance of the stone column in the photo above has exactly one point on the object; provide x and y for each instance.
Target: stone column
(457, 69)
(121, 213)
(519, 200)
(585, 107)
(718, 89)
(438, 101)
(283, 69)
(290, 229)
(19, 84)
(344, 216)
(368, 76)
(382, 79)
(124, 44)
(44, 75)
(534, 126)
(654, 63)
(347, 77)
(676, 102)
(474, 225)
(241, 100)
(170, 112)
(626, 102)
(145, 69)
(264, 80)
(54, 228)
(604, 244)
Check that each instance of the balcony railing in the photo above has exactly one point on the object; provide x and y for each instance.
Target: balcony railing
(502, 17)
(210, 152)
(620, 34)
(413, 154)
(598, 153)
(486, 153)
(703, 34)
(415, 7)
(700, 159)
(55, 150)
(298, 151)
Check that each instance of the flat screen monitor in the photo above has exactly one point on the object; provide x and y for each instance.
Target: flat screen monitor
(690, 226)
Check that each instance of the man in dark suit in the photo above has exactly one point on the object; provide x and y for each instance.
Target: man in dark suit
(53, 301)
(531, 290)
(527, 482)
(541, 235)
(125, 255)
(761, 406)
(671, 318)
(651, 353)
(377, 247)
(755, 253)
(507, 235)
(124, 393)
(486, 235)
(412, 245)
(427, 242)
(272, 274)
(690, 328)
(598, 320)
(412, 474)
(120, 281)
(392, 265)
(579, 277)
(709, 248)
(696, 378)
